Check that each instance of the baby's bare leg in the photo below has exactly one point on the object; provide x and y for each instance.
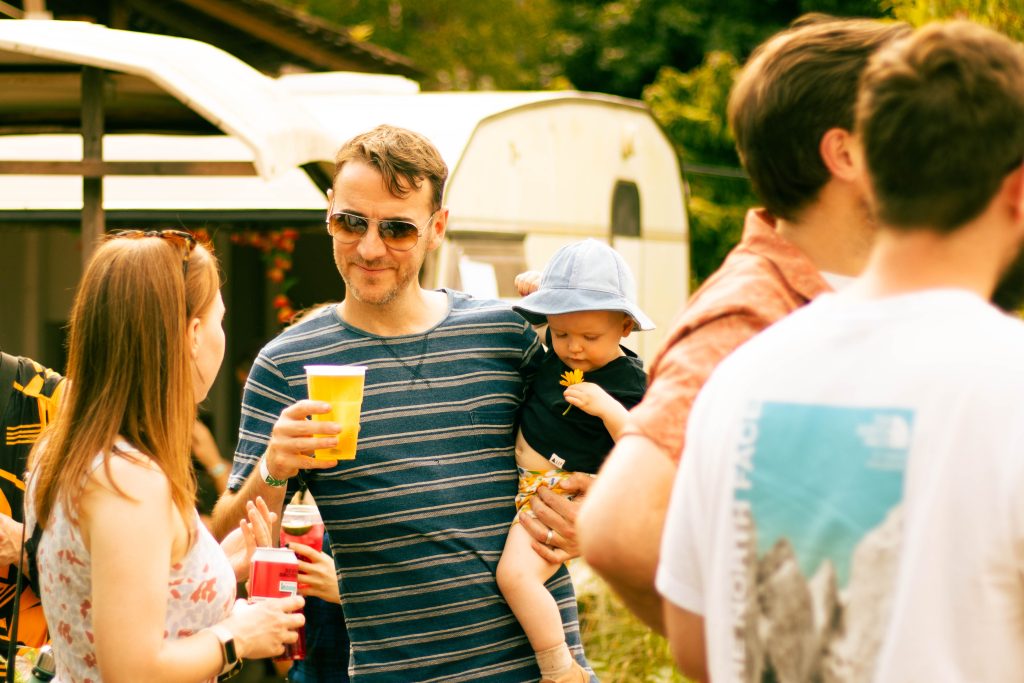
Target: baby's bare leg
(521, 576)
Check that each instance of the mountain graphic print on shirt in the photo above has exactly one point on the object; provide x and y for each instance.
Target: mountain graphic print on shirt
(818, 520)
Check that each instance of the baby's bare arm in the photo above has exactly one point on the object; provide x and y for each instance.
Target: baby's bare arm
(595, 401)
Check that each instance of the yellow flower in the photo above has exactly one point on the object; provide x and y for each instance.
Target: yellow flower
(570, 377)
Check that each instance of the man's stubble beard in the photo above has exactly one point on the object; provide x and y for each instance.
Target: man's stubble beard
(386, 299)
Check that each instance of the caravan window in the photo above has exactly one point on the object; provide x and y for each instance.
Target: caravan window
(484, 265)
(626, 209)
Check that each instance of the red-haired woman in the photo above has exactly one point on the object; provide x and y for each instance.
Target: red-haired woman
(134, 588)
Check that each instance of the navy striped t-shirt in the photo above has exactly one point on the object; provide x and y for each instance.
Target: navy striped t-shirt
(418, 520)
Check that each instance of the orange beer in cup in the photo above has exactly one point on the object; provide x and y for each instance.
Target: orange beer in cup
(342, 387)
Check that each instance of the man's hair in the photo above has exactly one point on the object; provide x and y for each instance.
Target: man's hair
(794, 88)
(941, 116)
(403, 157)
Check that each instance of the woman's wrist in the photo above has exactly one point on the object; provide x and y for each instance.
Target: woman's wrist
(217, 469)
(230, 656)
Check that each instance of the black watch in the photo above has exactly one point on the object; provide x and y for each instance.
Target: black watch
(227, 649)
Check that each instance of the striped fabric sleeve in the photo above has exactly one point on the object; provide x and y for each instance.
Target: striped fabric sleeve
(266, 394)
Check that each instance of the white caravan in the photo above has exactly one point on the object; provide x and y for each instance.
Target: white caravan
(529, 172)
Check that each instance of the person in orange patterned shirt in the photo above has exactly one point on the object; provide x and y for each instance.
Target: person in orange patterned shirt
(791, 112)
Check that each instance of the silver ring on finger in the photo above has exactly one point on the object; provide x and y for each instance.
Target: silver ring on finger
(547, 539)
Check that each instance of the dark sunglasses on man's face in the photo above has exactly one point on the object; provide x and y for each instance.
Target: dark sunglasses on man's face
(349, 228)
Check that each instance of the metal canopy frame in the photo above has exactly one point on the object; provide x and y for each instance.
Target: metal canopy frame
(131, 81)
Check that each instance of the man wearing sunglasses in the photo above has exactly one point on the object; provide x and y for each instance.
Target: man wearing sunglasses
(418, 520)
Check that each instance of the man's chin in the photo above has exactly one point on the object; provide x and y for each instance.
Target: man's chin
(368, 290)
(371, 296)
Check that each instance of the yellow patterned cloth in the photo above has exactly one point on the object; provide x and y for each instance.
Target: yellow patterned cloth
(530, 480)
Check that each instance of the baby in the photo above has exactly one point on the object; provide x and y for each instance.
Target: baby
(575, 408)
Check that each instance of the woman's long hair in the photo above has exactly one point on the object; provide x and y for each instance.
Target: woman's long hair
(130, 370)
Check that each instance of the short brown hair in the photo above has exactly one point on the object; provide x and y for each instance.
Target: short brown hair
(941, 116)
(795, 87)
(403, 157)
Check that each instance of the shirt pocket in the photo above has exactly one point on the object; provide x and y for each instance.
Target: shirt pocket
(499, 416)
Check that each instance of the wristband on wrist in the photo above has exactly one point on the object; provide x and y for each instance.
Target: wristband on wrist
(268, 478)
(220, 468)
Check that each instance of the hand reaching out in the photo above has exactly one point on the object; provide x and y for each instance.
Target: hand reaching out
(595, 401)
(317, 575)
(528, 282)
(589, 398)
(254, 531)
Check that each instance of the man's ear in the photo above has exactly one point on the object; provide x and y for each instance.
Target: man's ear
(838, 152)
(437, 228)
(1013, 187)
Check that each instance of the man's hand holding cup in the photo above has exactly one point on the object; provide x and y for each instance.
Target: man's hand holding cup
(294, 439)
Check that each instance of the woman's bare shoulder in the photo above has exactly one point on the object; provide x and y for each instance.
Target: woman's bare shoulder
(130, 470)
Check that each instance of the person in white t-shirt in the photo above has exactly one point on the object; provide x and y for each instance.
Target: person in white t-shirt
(850, 504)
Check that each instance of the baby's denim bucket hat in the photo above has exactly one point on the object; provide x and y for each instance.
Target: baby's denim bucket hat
(584, 276)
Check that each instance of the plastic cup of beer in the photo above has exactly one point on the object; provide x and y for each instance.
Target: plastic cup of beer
(302, 524)
(342, 387)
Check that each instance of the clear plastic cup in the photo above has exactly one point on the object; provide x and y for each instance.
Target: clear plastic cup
(342, 387)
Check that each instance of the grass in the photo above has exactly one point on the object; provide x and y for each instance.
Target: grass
(620, 648)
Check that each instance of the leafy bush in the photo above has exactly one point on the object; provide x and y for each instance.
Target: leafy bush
(691, 107)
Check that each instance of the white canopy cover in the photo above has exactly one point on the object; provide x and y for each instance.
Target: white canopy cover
(231, 95)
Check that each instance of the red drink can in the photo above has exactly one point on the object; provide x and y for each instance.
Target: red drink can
(274, 573)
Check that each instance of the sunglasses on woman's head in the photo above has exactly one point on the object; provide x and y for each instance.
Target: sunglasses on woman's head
(186, 241)
(349, 228)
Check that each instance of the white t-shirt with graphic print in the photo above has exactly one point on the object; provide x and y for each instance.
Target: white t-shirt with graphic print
(850, 503)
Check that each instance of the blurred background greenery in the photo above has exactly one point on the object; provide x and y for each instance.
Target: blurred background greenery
(680, 58)
(619, 647)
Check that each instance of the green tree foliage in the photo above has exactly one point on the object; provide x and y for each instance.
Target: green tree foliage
(1004, 15)
(691, 107)
(618, 46)
(475, 45)
(679, 55)
(682, 55)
